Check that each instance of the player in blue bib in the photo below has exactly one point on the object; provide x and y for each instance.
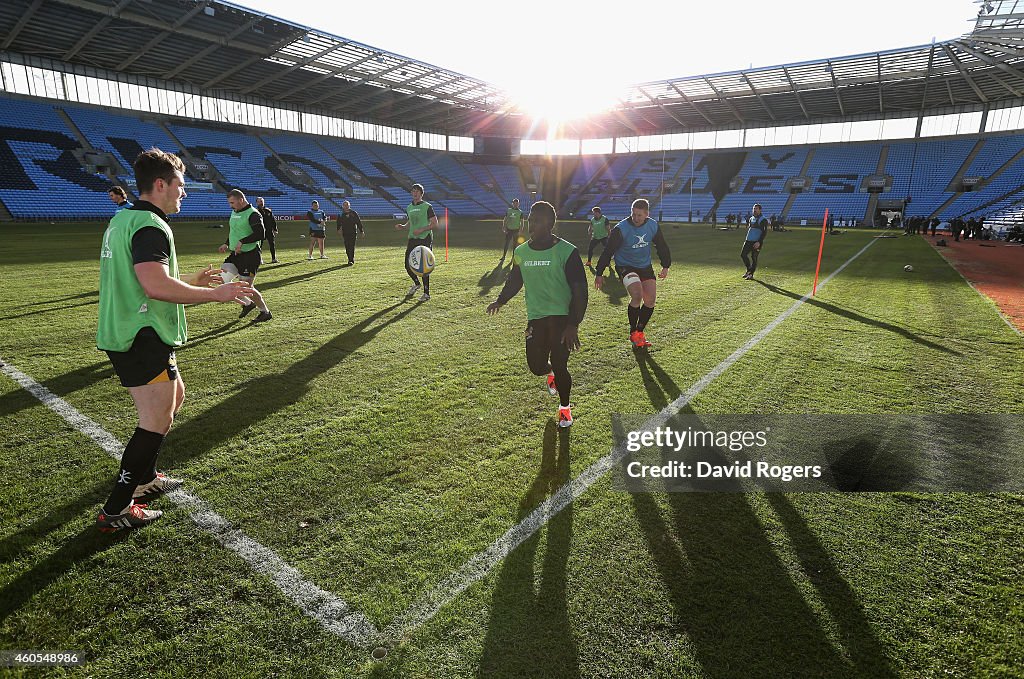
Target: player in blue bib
(757, 229)
(317, 228)
(630, 243)
(119, 198)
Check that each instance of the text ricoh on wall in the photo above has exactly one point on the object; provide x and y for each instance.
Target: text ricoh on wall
(666, 438)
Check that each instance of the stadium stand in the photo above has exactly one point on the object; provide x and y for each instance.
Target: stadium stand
(246, 164)
(687, 199)
(1001, 167)
(40, 176)
(837, 173)
(337, 183)
(43, 175)
(923, 171)
(124, 136)
(612, 188)
(762, 179)
(503, 180)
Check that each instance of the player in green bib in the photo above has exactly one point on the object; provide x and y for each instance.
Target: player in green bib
(598, 233)
(142, 322)
(245, 231)
(511, 225)
(556, 298)
(421, 223)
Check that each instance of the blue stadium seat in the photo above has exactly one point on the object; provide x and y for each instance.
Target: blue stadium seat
(41, 178)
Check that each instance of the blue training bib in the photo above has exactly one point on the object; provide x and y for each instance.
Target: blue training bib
(637, 242)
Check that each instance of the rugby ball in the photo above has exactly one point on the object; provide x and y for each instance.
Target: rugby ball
(421, 260)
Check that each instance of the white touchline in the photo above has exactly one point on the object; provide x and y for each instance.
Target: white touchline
(427, 605)
(334, 614)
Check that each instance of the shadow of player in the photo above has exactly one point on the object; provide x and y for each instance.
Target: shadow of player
(529, 633)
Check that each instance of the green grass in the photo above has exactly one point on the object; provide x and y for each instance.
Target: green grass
(378, 443)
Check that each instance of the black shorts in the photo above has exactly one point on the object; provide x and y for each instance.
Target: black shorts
(544, 341)
(148, 361)
(509, 235)
(317, 234)
(415, 243)
(646, 273)
(247, 263)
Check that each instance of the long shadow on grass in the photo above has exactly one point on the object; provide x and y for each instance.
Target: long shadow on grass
(298, 278)
(66, 298)
(229, 328)
(855, 631)
(491, 279)
(261, 397)
(613, 289)
(529, 634)
(854, 316)
(732, 595)
(58, 309)
(267, 266)
(57, 516)
(74, 550)
(61, 385)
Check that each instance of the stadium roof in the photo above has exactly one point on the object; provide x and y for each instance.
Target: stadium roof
(225, 49)
(981, 67)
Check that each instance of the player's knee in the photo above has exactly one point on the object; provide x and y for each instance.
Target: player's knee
(537, 366)
(158, 422)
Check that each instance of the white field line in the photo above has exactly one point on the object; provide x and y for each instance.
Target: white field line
(427, 605)
(330, 611)
(334, 614)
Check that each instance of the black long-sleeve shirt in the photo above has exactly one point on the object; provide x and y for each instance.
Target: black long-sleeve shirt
(575, 275)
(615, 241)
(350, 221)
(269, 221)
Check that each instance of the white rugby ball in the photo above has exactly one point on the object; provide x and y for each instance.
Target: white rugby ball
(421, 260)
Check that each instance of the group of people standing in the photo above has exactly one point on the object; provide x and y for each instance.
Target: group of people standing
(972, 227)
(349, 226)
(142, 297)
(920, 225)
(553, 274)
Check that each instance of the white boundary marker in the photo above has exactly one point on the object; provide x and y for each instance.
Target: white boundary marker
(427, 605)
(334, 614)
